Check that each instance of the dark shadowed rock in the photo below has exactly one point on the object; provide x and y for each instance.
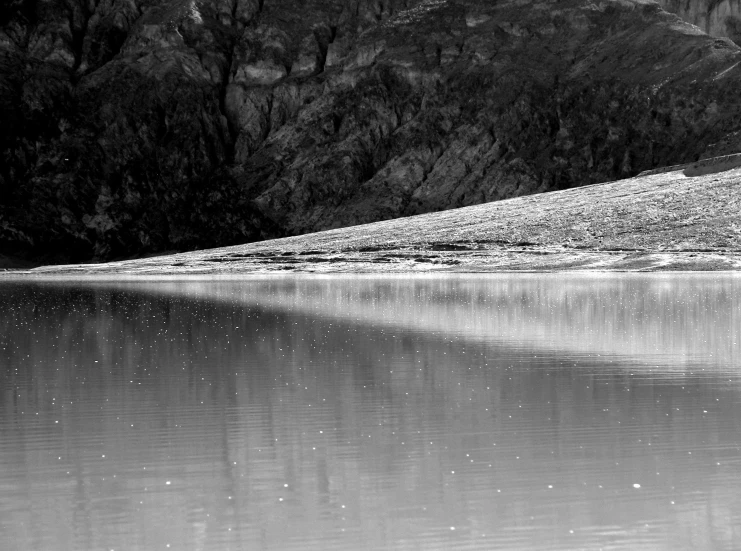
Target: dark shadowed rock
(137, 126)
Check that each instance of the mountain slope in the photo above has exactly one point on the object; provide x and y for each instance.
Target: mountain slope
(144, 125)
(687, 218)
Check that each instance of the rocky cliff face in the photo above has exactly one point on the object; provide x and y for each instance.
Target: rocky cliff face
(720, 18)
(137, 126)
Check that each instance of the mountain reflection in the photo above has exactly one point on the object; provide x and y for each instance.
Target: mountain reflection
(364, 413)
(674, 320)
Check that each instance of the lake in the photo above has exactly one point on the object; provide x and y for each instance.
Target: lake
(513, 412)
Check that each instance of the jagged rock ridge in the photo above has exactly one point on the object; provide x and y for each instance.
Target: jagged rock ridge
(137, 126)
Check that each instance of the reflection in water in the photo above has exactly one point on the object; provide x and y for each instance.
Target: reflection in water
(673, 321)
(360, 413)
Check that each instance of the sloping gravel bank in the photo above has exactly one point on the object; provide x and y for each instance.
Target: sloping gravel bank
(660, 222)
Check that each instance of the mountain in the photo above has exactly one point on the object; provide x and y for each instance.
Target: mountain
(682, 218)
(133, 127)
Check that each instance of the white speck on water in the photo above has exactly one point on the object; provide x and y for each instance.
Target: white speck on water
(636, 486)
(168, 483)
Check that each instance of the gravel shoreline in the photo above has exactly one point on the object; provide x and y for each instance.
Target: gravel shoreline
(658, 222)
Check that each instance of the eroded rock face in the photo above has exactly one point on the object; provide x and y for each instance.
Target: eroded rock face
(720, 18)
(137, 126)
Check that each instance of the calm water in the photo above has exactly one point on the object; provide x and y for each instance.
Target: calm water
(505, 412)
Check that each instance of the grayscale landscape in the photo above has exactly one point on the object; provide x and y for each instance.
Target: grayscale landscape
(377, 275)
(687, 219)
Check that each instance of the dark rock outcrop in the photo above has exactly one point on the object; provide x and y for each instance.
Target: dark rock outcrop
(137, 126)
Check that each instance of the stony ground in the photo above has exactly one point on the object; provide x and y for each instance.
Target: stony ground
(660, 222)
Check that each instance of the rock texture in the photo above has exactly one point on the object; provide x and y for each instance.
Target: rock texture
(688, 219)
(716, 17)
(139, 126)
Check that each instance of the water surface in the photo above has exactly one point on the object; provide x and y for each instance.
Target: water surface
(456, 412)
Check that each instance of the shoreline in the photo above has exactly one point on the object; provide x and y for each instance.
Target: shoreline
(662, 222)
(497, 263)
